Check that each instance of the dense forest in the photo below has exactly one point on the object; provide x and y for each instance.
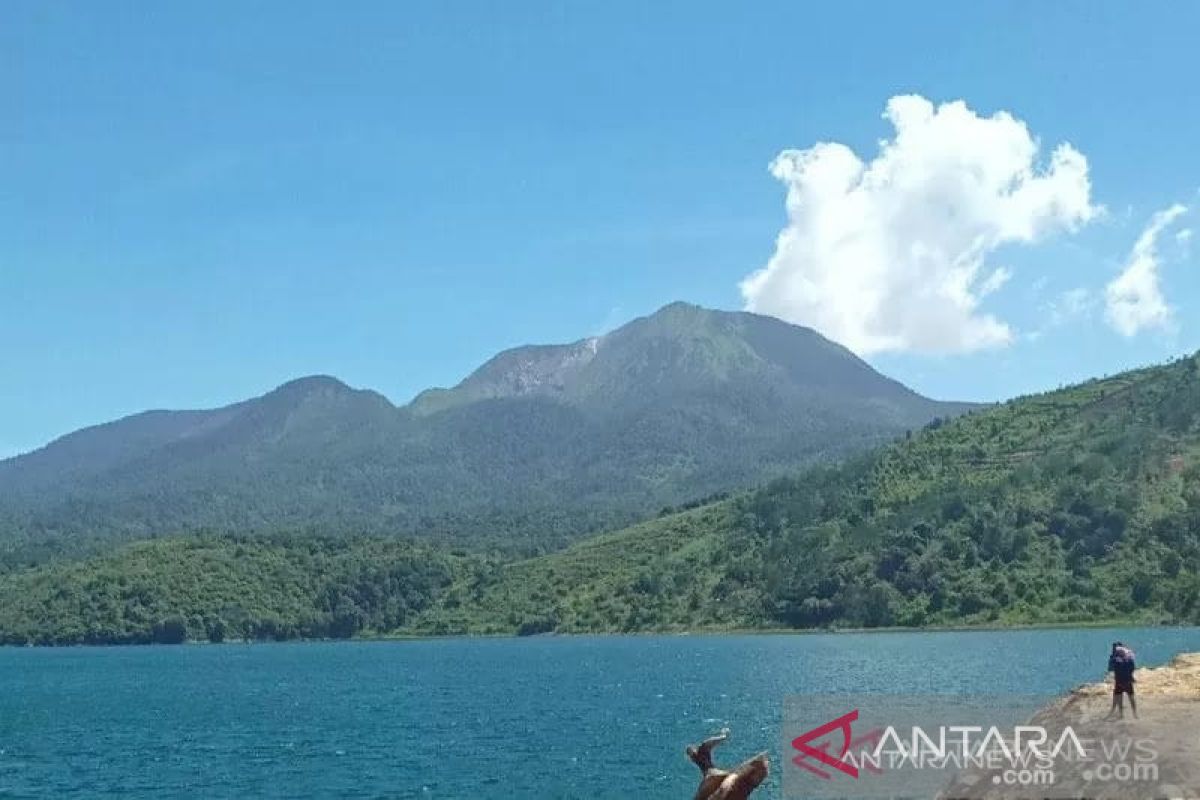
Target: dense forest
(216, 588)
(538, 447)
(1081, 505)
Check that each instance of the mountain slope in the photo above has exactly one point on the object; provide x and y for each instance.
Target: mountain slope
(680, 350)
(1081, 505)
(1078, 505)
(220, 587)
(539, 444)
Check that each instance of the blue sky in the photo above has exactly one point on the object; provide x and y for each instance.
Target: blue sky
(199, 203)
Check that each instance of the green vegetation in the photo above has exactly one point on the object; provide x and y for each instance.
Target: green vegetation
(1077, 505)
(218, 588)
(1074, 506)
(540, 446)
(671, 573)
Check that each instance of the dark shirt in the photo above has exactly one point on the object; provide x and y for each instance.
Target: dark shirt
(1122, 668)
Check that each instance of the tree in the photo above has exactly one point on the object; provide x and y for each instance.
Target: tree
(172, 630)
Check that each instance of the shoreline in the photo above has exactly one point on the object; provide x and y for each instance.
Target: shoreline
(962, 628)
(698, 632)
(1168, 754)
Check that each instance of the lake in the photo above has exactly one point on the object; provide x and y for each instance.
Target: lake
(587, 717)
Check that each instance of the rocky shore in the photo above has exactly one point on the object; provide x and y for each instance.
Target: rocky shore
(1156, 755)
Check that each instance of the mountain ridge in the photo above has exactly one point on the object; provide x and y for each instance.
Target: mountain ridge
(1077, 506)
(568, 438)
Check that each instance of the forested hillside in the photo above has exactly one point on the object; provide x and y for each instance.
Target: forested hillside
(1081, 505)
(218, 588)
(537, 447)
(1078, 505)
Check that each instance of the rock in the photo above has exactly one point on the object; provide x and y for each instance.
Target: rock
(1168, 703)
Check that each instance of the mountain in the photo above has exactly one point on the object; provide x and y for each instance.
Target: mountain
(1081, 506)
(680, 353)
(537, 445)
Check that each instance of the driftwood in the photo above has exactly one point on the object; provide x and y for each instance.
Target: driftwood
(722, 784)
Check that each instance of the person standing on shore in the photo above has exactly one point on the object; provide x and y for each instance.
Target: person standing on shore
(1122, 665)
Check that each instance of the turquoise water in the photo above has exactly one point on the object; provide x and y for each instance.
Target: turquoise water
(548, 717)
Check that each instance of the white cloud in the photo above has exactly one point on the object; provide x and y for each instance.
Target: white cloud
(995, 281)
(1134, 300)
(1062, 309)
(1184, 236)
(889, 255)
(1071, 304)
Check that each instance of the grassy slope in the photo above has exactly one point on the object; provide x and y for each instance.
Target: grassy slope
(1073, 506)
(657, 575)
